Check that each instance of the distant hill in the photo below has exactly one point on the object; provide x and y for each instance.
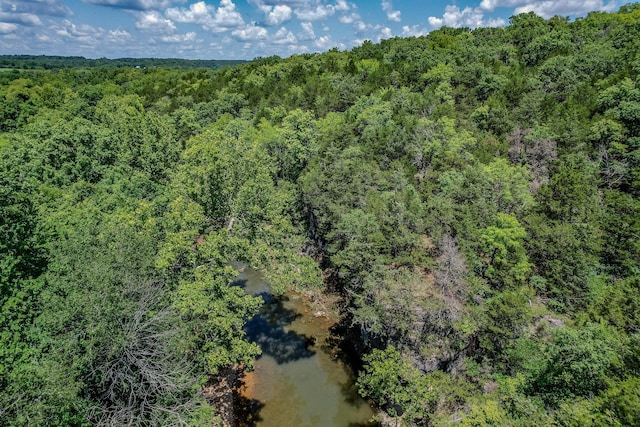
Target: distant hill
(57, 62)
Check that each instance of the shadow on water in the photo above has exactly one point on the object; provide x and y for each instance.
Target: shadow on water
(346, 345)
(241, 283)
(267, 329)
(246, 410)
(350, 392)
(342, 346)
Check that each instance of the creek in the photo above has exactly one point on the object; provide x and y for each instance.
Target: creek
(298, 380)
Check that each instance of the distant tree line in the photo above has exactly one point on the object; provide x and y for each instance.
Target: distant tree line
(51, 62)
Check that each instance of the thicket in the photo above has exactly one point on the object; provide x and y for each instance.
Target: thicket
(472, 195)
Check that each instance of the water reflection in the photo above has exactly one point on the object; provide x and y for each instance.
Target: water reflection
(246, 410)
(267, 330)
(297, 381)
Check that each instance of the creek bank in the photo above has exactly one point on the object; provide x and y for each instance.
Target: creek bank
(220, 392)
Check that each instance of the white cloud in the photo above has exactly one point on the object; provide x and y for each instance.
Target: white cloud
(119, 36)
(295, 49)
(323, 42)
(82, 34)
(37, 7)
(27, 19)
(307, 31)
(492, 4)
(65, 37)
(227, 16)
(153, 21)
(6, 28)
(454, 17)
(359, 27)
(198, 13)
(392, 15)
(250, 33)
(413, 31)
(385, 33)
(349, 19)
(179, 38)
(279, 14)
(284, 36)
(474, 17)
(318, 13)
(343, 6)
(497, 22)
(292, 3)
(548, 9)
(467, 17)
(358, 42)
(68, 38)
(224, 18)
(132, 4)
(435, 22)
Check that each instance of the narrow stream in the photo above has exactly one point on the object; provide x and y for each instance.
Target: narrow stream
(296, 380)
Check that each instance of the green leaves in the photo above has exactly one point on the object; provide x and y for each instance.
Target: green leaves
(398, 386)
(21, 251)
(578, 362)
(215, 313)
(502, 250)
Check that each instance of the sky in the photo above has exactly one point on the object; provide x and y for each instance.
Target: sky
(245, 29)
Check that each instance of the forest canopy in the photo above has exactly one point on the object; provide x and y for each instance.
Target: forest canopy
(473, 197)
(47, 62)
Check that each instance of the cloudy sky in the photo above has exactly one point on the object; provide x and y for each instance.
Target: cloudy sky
(244, 29)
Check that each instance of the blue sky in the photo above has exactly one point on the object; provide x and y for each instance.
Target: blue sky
(244, 29)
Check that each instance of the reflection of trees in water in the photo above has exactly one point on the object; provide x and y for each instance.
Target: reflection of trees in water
(281, 393)
(267, 330)
(247, 411)
(242, 283)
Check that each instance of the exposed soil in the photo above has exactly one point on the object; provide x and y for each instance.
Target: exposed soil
(219, 392)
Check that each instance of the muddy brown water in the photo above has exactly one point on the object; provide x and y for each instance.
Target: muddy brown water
(298, 380)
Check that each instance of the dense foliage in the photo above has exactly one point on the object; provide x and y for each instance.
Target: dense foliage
(473, 196)
(45, 62)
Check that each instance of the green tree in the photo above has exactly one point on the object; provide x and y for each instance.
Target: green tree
(395, 384)
(502, 251)
(577, 363)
